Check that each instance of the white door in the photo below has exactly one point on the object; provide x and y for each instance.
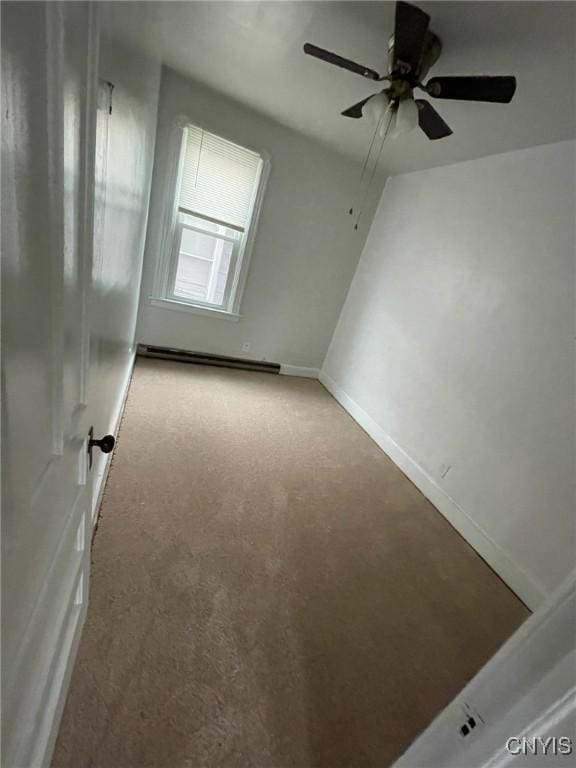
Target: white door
(49, 94)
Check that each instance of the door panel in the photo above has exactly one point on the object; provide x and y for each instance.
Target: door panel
(49, 53)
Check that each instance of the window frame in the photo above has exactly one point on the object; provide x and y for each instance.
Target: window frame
(166, 265)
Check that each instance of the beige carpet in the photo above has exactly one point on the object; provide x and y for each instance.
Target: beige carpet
(268, 589)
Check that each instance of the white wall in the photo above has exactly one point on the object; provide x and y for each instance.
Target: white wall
(455, 349)
(305, 250)
(135, 73)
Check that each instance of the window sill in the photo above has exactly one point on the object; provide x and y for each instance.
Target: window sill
(194, 309)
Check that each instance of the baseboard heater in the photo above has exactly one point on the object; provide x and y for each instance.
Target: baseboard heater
(201, 358)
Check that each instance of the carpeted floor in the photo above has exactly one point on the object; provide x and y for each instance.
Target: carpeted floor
(268, 589)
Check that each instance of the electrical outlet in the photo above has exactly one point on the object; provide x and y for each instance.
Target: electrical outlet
(471, 721)
(246, 346)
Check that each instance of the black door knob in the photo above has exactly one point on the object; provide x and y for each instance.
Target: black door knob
(106, 444)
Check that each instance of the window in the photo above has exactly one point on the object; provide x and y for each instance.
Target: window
(218, 189)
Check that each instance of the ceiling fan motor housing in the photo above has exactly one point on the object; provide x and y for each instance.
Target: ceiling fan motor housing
(430, 55)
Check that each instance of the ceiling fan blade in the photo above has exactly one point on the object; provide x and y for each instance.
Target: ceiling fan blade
(431, 122)
(339, 61)
(410, 28)
(356, 109)
(497, 89)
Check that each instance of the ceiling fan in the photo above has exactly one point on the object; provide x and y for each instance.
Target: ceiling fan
(412, 50)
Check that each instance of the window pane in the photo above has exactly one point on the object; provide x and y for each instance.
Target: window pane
(203, 265)
(222, 275)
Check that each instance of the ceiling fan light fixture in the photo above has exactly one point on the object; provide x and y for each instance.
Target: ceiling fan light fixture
(376, 107)
(388, 125)
(406, 117)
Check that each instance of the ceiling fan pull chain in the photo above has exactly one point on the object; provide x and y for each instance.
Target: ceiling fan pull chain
(390, 115)
(366, 159)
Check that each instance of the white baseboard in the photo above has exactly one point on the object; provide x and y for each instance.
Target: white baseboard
(296, 370)
(103, 467)
(509, 571)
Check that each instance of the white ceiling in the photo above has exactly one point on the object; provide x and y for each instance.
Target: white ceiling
(252, 51)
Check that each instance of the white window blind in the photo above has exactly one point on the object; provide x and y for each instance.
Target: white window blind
(219, 179)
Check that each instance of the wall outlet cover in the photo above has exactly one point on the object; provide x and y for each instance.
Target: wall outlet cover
(471, 720)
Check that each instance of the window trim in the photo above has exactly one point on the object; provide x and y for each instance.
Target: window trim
(194, 309)
(167, 258)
